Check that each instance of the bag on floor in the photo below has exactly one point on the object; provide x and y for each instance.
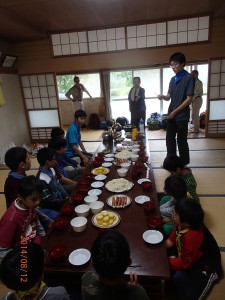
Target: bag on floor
(94, 121)
(202, 119)
(103, 125)
(122, 121)
(154, 122)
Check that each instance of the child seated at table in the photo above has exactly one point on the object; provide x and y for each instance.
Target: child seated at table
(75, 148)
(175, 189)
(194, 256)
(57, 132)
(175, 166)
(26, 279)
(67, 170)
(110, 258)
(53, 195)
(21, 219)
(18, 161)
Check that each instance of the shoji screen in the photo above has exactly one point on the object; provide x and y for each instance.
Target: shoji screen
(216, 99)
(41, 103)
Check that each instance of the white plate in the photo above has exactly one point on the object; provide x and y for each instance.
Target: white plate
(109, 201)
(97, 184)
(79, 257)
(129, 186)
(117, 219)
(141, 199)
(143, 180)
(107, 164)
(94, 192)
(152, 236)
(109, 159)
(121, 161)
(109, 155)
(100, 177)
(103, 169)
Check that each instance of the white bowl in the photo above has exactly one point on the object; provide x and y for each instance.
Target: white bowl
(135, 150)
(109, 155)
(125, 165)
(134, 157)
(94, 192)
(122, 172)
(79, 224)
(82, 210)
(90, 199)
(79, 257)
(107, 164)
(97, 184)
(141, 199)
(96, 206)
(136, 146)
(100, 177)
(109, 159)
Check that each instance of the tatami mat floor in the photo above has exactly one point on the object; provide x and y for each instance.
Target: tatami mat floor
(207, 161)
(208, 166)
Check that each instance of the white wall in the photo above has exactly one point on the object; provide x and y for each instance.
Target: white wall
(13, 124)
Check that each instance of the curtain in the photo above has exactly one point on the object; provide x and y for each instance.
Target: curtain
(105, 79)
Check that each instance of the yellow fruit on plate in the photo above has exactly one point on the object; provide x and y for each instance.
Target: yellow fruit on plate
(111, 221)
(99, 217)
(111, 216)
(106, 219)
(99, 222)
(105, 224)
(105, 213)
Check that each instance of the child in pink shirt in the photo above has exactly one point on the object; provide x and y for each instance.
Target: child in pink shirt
(20, 220)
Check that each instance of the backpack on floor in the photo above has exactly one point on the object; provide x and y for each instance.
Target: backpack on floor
(154, 122)
(122, 121)
(94, 121)
(202, 119)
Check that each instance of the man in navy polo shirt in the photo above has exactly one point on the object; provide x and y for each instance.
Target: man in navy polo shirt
(181, 91)
(75, 147)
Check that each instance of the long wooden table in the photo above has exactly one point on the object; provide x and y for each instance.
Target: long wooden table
(152, 259)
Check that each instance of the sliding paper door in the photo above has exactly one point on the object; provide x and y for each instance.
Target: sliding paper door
(216, 99)
(41, 104)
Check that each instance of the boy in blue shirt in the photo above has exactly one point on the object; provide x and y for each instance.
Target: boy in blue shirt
(75, 147)
(53, 195)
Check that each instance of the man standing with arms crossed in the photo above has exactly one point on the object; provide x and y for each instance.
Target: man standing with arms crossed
(181, 91)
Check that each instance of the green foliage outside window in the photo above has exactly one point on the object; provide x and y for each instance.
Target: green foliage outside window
(120, 84)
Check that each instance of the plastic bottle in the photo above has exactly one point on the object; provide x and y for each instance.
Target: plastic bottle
(141, 126)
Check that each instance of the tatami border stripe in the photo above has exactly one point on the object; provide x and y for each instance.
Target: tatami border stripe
(191, 150)
(196, 167)
(189, 138)
(222, 249)
(212, 195)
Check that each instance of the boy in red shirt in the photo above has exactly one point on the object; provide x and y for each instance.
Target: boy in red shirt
(194, 256)
(20, 220)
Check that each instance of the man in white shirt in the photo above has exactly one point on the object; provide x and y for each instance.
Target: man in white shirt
(75, 94)
(196, 102)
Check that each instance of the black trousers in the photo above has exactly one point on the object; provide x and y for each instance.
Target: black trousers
(177, 132)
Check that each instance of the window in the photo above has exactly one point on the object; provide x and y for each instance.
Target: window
(90, 81)
(121, 83)
(152, 80)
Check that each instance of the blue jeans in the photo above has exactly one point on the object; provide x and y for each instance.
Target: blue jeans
(177, 132)
(52, 214)
(192, 283)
